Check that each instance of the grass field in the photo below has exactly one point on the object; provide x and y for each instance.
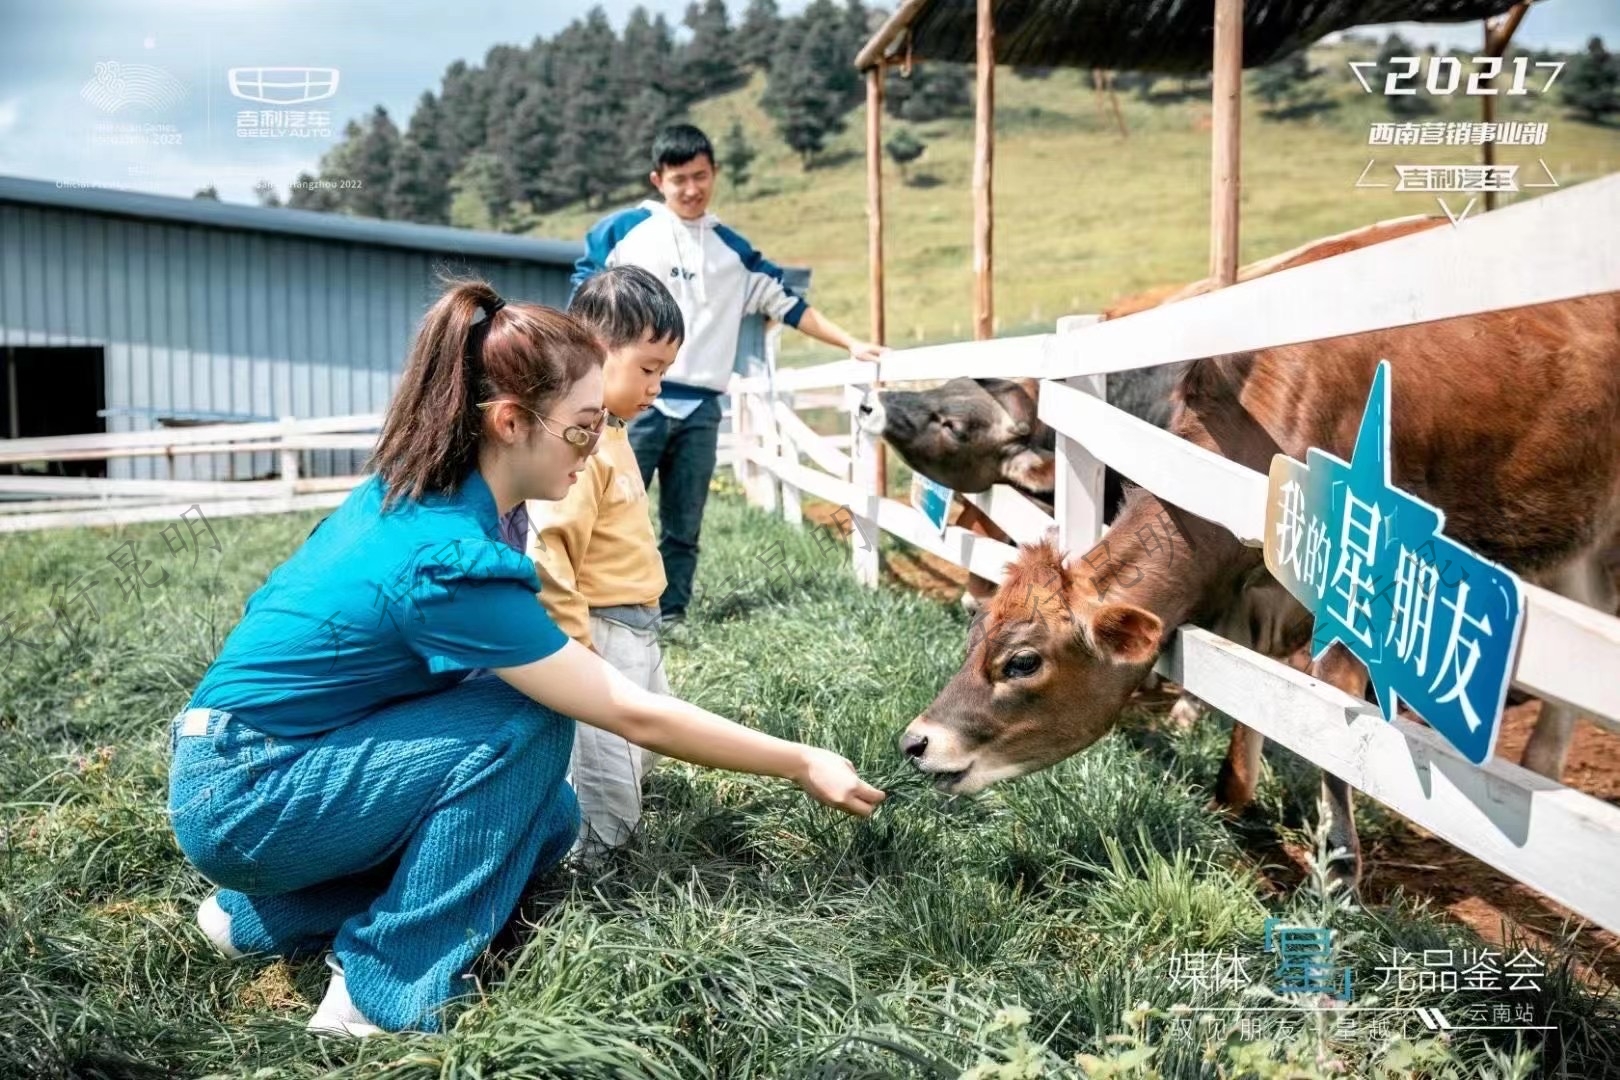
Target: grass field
(1047, 926)
(1083, 216)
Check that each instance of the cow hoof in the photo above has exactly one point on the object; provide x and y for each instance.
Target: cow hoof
(1344, 876)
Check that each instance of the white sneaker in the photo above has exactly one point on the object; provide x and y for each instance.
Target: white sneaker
(337, 1014)
(215, 922)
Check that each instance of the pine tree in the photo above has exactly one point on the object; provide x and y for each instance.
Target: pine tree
(649, 57)
(904, 148)
(1288, 87)
(934, 91)
(737, 155)
(464, 107)
(808, 92)
(756, 36)
(536, 135)
(420, 188)
(1402, 105)
(709, 61)
(589, 162)
(1592, 83)
(374, 166)
(651, 87)
(307, 194)
(856, 25)
(649, 112)
(481, 192)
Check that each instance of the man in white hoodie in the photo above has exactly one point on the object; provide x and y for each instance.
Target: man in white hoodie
(717, 278)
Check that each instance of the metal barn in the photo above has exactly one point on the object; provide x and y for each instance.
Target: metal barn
(122, 312)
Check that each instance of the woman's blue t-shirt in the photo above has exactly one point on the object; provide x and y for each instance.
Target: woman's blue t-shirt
(375, 607)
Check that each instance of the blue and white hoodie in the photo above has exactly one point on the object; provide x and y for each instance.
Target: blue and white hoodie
(716, 277)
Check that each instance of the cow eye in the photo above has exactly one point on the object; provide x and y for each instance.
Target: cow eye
(1023, 664)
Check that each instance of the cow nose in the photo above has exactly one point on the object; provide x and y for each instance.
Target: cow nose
(864, 409)
(913, 745)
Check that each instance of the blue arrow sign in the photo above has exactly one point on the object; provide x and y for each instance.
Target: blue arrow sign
(1436, 625)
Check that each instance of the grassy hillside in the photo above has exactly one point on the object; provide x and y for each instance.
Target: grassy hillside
(1083, 216)
(750, 933)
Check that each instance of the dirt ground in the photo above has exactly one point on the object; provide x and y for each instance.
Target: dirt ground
(1412, 860)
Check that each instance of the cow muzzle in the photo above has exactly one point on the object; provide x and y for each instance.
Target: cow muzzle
(870, 414)
(931, 751)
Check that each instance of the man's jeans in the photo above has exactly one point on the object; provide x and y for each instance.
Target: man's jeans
(682, 453)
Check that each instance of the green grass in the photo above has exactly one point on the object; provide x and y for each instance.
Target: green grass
(749, 932)
(1083, 217)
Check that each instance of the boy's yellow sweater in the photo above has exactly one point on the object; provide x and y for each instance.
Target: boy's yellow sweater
(595, 547)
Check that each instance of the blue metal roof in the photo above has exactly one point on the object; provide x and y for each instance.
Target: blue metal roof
(439, 239)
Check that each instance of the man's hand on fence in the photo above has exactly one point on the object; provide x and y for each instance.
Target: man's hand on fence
(865, 350)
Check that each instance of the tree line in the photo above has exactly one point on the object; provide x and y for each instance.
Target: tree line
(570, 118)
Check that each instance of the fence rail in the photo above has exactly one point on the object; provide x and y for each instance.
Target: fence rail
(1560, 841)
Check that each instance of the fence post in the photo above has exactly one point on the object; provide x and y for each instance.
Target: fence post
(289, 457)
(740, 465)
(863, 454)
(792, 508)
(1079, 496)
(765, 481)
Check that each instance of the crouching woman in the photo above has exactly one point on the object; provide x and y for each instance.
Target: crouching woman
(338, 776)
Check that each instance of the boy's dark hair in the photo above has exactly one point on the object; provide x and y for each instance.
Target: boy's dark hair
(624, 303)
(678, 144)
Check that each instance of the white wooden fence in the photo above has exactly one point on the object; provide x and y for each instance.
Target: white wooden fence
(46, 502)
(1567, 244)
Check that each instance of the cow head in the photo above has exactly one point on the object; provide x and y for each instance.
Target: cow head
(968, 434)
(1048, 668)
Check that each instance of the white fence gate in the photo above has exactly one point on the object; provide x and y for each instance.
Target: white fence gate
(1563, 245)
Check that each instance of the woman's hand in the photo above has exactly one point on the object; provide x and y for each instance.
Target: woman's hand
(831, 779)
(865, 350)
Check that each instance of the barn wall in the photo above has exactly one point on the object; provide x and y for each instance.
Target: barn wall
(248, 324)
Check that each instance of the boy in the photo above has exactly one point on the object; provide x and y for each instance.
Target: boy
(717, 279)
(598, 562)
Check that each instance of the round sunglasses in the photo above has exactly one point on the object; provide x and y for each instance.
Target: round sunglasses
(581, 438)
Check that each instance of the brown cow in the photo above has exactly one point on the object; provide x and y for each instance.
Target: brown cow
(1051, 662)
(970, 434)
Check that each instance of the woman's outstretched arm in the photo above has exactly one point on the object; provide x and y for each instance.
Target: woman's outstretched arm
(578, 683)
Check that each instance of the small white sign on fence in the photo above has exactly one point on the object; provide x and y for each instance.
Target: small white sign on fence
(933, 499)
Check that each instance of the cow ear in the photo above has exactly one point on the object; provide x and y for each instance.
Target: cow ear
(1125, 634)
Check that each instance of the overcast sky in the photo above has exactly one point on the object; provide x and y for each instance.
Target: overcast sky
(175, 56)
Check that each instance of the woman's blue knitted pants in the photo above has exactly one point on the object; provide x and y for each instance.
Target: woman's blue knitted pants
(409, 835)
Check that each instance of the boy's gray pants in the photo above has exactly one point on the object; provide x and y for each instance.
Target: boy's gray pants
(606, 771)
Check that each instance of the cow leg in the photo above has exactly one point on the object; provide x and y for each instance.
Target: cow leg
(976, 521)
(1585, 581)
(1338, 667)
(1240, 772)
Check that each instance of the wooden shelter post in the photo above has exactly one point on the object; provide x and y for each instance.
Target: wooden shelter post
(983, 163)
(874, 241)
(1225, 159)
(1496, 42)
(874, 198)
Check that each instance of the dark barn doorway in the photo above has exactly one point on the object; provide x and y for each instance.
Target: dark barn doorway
(53, 391)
